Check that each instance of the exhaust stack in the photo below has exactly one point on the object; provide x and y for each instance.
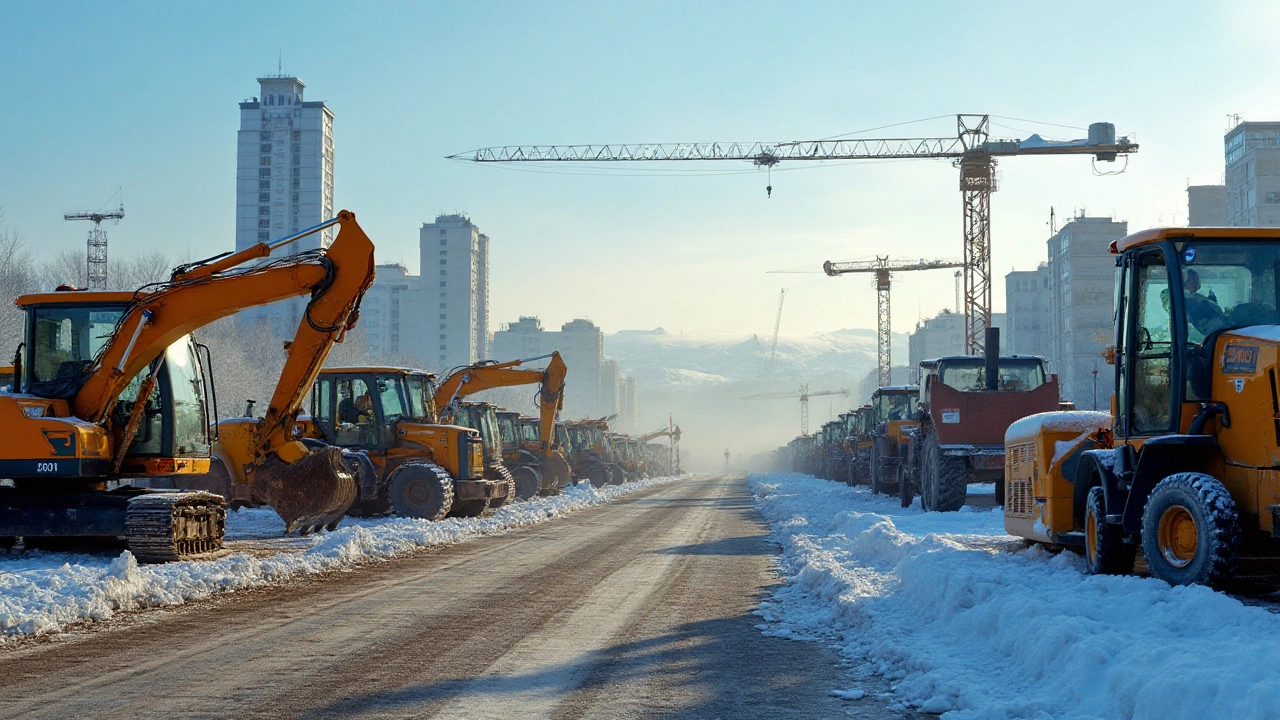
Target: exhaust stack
(992, 355)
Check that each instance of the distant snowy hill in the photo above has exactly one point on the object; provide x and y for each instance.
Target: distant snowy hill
(657, 357)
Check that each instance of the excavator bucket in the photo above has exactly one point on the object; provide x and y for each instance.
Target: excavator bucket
(309, 494)
(556, 469)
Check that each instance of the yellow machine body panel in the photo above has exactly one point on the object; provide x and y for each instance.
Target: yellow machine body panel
(441, 443)
(1038, 495)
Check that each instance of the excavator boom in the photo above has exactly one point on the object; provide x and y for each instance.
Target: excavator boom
(477, 378)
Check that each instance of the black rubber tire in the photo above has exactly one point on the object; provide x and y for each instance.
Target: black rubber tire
(617, 474)
(597, 475)
(1000, 491)
(874, 479)
(528, 481)
(906, 489)
(420, 490)
(1211, 508)
(1105, 551)
(942, 479)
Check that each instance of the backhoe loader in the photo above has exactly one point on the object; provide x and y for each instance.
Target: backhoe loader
(405, 458)
(1187, 465)
(112, 388)
(591, 453)
(546, 470)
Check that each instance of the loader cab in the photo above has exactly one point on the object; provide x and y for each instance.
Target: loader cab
(360, 407)
(483, 418)
(1177, 293)
(509, 430)
(61, 344)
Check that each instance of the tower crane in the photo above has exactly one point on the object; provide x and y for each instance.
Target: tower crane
(804, 396)
(971, 150)
(97, 257)
(777, 325)
(883, 269)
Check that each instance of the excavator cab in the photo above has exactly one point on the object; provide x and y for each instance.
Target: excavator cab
(65, 331)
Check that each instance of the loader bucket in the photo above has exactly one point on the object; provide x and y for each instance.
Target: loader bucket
(310, 494)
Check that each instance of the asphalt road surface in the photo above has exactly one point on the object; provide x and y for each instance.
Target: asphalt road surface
(641, 608)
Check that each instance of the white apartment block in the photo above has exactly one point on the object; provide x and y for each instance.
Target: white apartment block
(592, 385)
(1026, 309)
(284, 180)
(455, 292)
(386, 313)
(1081, 272)
(1253, 174)
(939, 336)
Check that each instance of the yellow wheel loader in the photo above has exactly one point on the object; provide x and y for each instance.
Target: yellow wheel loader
(112, 390)
(405, 459)
(1186, 468)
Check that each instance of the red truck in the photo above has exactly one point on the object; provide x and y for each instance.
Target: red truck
(966, 404)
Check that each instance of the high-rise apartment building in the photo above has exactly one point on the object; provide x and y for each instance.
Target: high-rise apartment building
(284, 180)
(593, 386)
(455, 291)
(1206, 205)
(387, 312)
(1253, 174)
(1081, 292)
(1026, 310)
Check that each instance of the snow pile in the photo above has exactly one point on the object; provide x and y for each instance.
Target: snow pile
(969, 623)
(44, 592)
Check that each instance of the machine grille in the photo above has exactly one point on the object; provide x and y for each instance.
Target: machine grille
(1019, 471)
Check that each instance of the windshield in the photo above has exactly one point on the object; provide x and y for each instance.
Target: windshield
(1227, 285)
(971, 375)
(529, 430)
(507, 429)
(895, 406)
(62, 344)
(419, 393)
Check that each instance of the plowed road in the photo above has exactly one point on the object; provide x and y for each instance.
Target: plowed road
(639, 608)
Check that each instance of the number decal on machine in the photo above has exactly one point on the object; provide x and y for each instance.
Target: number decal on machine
(46, 467)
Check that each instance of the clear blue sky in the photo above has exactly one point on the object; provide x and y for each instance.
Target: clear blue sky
(143, 96)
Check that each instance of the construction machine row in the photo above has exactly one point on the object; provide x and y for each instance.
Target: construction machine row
(1184, 468)
(111, 432)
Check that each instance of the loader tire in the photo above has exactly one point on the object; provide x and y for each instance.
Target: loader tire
(597, 475)
(1191, 531)
(906, 490)
(528, 482)
(503, 476)
(1105, 551)
(942, 479)
(617, 474)
(874, 467)
(421, 490)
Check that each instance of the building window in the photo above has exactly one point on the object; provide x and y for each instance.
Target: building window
(443, 272)
(264, 136)
(264, 197)
(443, 253)
(264, 209)
(264, 172)
(444, 306)
(295, 183)
(442, 326)
(295, 171)
(265, 148)
(263, 236)
(295, 198)
(443, 316)
(264, 160)
(264, 223)
(264, 184)
(442, 240)
(297, 160)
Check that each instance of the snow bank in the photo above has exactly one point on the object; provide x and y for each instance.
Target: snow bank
(44, 592)
(968, 623)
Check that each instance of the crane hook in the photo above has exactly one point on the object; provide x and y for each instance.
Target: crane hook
(768, 189)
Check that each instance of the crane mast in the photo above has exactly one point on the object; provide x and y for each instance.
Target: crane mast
(972, 151)
(884, 269)
(96, 261)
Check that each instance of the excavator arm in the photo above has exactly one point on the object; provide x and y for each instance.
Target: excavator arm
(476, 378)
(308, 489)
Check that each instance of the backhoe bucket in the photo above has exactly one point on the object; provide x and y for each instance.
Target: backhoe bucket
(556, 473)
(310, 494)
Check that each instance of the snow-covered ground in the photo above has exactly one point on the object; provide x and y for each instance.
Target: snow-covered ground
(968, 622)
(44, 592)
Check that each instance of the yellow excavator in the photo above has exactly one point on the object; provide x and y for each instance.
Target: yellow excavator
(1186, 466)
(112, 392)
(548, 471)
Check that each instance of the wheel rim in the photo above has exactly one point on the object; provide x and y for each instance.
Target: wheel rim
(1178, 536)
(417, 495)
(1091, 537)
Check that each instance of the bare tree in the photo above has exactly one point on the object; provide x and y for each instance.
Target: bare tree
(18, 276)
